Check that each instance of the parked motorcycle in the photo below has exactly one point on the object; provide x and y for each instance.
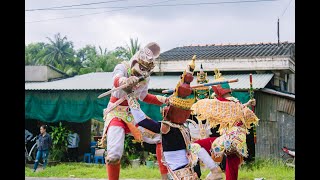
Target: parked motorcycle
(288, 156)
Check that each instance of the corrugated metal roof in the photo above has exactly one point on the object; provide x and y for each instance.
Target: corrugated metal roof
(90, 81)
(271, 91)
(285, 49)
(103, 81)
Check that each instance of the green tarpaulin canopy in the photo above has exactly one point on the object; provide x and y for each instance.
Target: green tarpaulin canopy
(81, 106)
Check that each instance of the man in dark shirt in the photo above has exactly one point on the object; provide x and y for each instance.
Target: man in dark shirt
(44, 143)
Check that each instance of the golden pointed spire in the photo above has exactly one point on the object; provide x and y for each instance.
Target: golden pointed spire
(217, 74)
(189, 69)
(192, 63)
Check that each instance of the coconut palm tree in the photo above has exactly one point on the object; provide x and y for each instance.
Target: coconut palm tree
(132, 48)
(60, 50)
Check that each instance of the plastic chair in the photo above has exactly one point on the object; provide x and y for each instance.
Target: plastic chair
(90, 155)
(97, 158)
(87, 156)
(93, 145)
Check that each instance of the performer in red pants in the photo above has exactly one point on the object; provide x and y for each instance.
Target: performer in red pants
(118, 120)
(234, 118)
(175, 136)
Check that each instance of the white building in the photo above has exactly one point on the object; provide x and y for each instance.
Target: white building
(236, 59)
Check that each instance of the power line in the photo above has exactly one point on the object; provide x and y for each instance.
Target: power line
(152, 5)
(86, 4)
(74, 16)
(286, 8)
(163, 5)
(94, 13)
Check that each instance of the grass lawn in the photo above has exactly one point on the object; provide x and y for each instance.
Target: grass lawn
(268, 169)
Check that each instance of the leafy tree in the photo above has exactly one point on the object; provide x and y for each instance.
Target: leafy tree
(121, 53)
(102, 61)
(34, 53)
(60, 51)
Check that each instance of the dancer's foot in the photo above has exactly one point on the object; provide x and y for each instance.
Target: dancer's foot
(164, 176)
(215, 174)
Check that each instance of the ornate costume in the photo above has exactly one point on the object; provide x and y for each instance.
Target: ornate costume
(201, 129)
(234, 119)
(118, 120)
(174, 134)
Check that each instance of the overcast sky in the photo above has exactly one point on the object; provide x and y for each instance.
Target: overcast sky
(170, 26)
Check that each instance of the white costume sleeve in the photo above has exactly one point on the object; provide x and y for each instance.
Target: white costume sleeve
(206, 159)
(203, 155)
(120, 71)
(138, 115)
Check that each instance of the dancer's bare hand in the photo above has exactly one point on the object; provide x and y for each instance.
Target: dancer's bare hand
(252, 102)
(131, 80)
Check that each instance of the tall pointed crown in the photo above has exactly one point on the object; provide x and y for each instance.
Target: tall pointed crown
(202, 76)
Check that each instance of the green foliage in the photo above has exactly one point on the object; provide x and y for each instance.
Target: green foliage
(94, 61)
(151, 157)
(121, 53)
(143, 157)
(34, 53)
(131, 150)
(57, 155)
(133, 47)
(130, 147)
(60, 53)
(268, 169)
(86, 170)
(133, 156)
(125, 161)
(59, 136)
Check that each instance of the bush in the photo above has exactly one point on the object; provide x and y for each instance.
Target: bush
(59, 136)
(131, 151)
(151, 157)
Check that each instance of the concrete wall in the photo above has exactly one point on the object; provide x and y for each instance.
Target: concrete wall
(232, 64)
(52, 74)
(36, 73)
(291, 83)
(40, 73)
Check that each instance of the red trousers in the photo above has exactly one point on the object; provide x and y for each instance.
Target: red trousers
(232, 161)
(163, 168)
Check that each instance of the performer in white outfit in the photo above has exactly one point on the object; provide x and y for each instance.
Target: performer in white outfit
(119, 120)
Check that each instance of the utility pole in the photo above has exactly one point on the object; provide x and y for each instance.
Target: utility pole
(278, 33)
